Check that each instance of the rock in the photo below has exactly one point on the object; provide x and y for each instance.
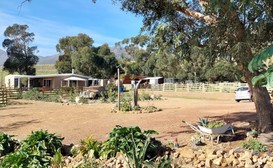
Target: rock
(261, 161)
(210, 152)
(176, 155)
(268, 164)
(208, 163)
(202, 157)
(255, 159)
(219, 152)
(187, 154)
(212, 156)
(218, 161)
(248, 155)
(235, 162)
(266, 138)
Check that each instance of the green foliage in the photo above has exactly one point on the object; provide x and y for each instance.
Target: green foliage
(89, 161)
(22, 158)
(90, 144)
(203, 122)
(8, 144)
(136, 153)
(111, 93)
(263, 64)
(21, 57)
(150, 109)
(35, 151)
(32, 94)
(254, 144)
(79, 53)
(215, 124)
(120, 140)
(57, 159)
(42, 143)
(126, 105)
(35, 94)
(144, 96)
(63, 65)
(209, 124)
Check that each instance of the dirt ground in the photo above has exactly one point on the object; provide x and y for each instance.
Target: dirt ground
(76, 122)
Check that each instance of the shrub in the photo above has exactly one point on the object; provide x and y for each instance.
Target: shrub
(90, 144)
(120, 140)
(253, 144)
(32, 94)
(8, 144)
(125, 104)
(42, 143)
(144, 96)
(22, 158)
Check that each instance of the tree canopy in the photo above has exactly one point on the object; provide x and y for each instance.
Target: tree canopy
(78, 52)
(21, 56)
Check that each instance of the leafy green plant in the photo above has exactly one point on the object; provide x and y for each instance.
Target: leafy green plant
(42, 143)
(263, 64)
(209, 124)
(32, 94)
(57, 159)
(254, 144)
(144, 96)
(22, 158)
(156, 97)
(89, 161)
(110, 94)
(203, 122)
(8, 144)
(150, 109)
(136, 153)
(120, 141)
(90, 144)
(125, 105)
(215, 124)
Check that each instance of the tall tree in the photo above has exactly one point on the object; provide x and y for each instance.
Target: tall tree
(69, 47)
(237, 29)
(21, 56)
(78, 52)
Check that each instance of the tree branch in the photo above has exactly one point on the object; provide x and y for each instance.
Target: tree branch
(209, 19)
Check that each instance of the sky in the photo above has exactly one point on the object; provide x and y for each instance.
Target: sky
(51, 20)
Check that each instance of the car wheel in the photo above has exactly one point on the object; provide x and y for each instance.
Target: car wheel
(237, 101)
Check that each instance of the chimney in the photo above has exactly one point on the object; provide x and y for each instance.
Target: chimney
(72, 71)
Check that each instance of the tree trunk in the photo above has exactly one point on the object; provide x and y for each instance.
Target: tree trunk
(262, 103)
(263, 108)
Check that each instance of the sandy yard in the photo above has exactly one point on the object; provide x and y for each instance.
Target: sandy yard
(76, 122)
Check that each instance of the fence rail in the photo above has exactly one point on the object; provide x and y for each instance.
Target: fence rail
(198, 87)
(3, 96)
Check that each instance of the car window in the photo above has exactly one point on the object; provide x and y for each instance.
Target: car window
(242, 89)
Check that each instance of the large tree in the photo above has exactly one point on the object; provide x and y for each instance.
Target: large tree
(21, 56)
(78, 52)
(237, 29)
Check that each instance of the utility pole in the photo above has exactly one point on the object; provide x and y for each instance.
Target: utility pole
(118, 91)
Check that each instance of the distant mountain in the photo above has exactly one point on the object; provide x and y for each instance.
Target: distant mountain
(48, 59)
(3, 57)
(42, 60)
(120, 52)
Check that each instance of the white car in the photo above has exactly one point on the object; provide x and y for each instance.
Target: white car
(243, 93)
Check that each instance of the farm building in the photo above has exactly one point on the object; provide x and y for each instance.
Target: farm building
(51, 81)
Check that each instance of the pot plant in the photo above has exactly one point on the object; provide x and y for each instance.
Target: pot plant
(213, 127)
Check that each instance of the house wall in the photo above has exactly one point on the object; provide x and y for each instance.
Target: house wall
(9, 81)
